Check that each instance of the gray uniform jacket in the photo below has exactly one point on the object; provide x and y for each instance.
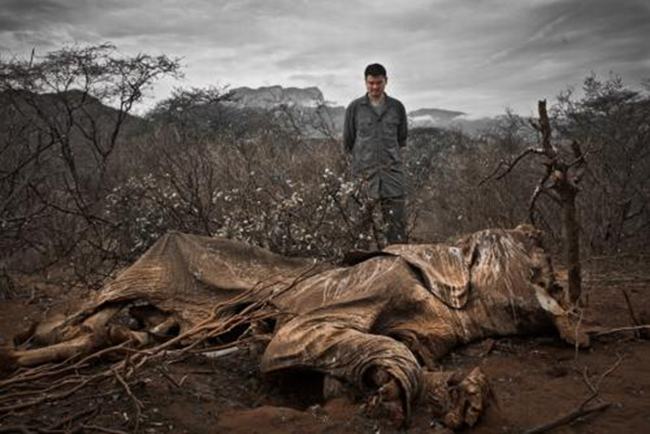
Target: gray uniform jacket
(374, 141)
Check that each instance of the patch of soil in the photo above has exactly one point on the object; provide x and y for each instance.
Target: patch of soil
(534, 379)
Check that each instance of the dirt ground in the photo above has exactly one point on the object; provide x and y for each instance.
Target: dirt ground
(534, 379)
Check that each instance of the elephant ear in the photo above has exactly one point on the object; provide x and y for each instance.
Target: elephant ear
(444, 270)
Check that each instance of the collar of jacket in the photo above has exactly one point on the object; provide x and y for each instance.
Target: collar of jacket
(384, 108)
(366, 99)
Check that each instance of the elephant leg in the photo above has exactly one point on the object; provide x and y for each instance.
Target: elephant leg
(456, 399)
(377, 365)
(55, 353)
(118, 334)
(63, 342)
(387, 400)
(335, 388)
(97, 321)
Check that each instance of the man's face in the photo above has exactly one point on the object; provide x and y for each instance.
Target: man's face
(375, 85)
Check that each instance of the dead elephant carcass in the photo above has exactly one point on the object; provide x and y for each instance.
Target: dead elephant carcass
(378, 324)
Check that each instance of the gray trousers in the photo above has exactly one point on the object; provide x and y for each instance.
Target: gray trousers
(393, 211)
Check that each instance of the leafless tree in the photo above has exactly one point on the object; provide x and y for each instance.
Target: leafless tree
(563, 169)
(60, 136)
(615, 121)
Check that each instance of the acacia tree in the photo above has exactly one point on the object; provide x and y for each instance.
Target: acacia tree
(63, 117)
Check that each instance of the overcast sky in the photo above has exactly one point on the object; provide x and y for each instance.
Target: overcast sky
(476, 56)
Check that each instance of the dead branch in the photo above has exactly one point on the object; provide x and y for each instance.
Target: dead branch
(622, 329)
(71, 418)
(510, 165)
(595, 388)
(583, 409)
(136, 402)
(50, 397)
(562, 189)
(16, 429)
(538, 190)
(545, 129)
(168, 376)
(567, 418)
(611, 369)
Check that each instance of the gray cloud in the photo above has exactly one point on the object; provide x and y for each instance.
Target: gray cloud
(476, 56)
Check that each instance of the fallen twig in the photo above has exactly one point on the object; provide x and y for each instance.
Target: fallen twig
(622, 329)
(168, 376)
(567, 418)
(78, 415)
(16, 429)
(595, 388)
(49, 397)
(137, 403)
(583, 409)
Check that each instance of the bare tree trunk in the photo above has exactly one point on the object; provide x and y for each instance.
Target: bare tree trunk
(571, 233)
(560, 182)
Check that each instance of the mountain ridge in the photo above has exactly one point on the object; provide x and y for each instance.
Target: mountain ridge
(311, 98)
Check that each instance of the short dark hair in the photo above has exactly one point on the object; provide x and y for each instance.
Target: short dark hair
(375, 69)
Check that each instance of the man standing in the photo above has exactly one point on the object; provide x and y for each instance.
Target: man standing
(375, 129)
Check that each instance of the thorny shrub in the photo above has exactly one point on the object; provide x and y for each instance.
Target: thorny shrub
(323, 218)
(297, 200)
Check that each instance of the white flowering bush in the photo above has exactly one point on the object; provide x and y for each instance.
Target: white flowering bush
(310, 206)
(324, 216)
(142, 207)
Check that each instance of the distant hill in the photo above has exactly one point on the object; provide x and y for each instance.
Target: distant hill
(309, 102)
(38, 118)
(432, 117)
(310, 112)
(55, 105)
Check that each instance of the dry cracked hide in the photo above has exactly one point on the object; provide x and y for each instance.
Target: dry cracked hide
(377, 325)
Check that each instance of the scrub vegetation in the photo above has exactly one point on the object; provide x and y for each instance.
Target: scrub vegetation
(87, 186)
